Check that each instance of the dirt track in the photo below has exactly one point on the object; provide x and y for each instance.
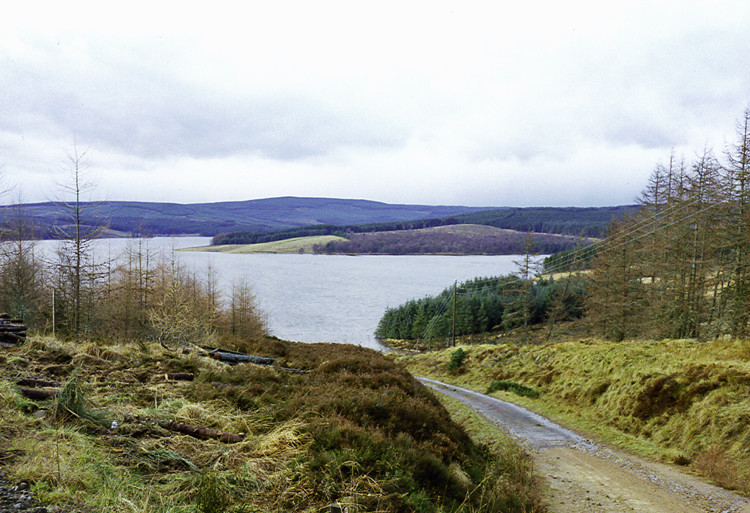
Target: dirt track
(584, 477)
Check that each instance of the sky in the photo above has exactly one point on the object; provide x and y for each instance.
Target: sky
(477, 103)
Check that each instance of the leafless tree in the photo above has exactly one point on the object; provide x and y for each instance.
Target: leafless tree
(77, 269)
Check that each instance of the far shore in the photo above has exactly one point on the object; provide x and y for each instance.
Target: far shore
(297, 245)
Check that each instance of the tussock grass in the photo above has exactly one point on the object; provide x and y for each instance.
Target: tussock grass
(681, 401)
(357, 430)
(517, 389)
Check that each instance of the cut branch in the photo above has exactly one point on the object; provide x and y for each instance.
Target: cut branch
(31, 382)
(179, 376)
(39, 394)
(233, 358)
(195, 431)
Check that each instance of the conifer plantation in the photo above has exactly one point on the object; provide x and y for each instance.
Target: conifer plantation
(680, 266)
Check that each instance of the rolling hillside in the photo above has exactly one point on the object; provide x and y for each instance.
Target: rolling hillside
(208, 219)
(272, 219)
(460, 239)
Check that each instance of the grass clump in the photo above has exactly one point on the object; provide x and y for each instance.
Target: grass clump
(71, 404)
(511, 386)
(457, 359)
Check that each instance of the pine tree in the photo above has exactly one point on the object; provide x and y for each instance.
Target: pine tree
(734, 308)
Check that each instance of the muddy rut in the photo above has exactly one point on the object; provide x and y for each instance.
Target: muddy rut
(583, 476)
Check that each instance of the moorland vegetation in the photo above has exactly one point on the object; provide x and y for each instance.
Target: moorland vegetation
(682, 401)
(352, 429)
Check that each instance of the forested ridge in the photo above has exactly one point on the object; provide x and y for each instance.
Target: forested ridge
(583, 222)
(449, 240)
(576, 222)
(135, 218)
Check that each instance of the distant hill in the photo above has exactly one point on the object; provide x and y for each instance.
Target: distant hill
(263, 220)
(124, 218)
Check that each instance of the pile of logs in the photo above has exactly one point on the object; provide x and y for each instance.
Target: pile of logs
(12, 331)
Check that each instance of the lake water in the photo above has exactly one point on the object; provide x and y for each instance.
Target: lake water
(324, 298)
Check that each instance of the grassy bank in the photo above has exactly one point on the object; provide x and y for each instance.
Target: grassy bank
(680, 401)
(355, 429)
(294, 245)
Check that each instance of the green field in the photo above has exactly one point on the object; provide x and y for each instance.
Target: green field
(295, 245)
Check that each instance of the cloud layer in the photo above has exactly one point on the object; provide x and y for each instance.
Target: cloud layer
(477, 103)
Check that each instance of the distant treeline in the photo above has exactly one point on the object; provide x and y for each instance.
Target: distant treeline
(584, 222)
(245, 222)
(421, 242)
(483, 305)
(327, 229)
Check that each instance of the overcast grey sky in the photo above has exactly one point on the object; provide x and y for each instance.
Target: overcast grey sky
(496, 103)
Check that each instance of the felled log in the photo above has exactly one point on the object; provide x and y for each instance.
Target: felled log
(234, 358)
(179, 376)
(31, 382)
(38, 394)
(216, 384)
(12, 339)
(13, 328)
(194, 431)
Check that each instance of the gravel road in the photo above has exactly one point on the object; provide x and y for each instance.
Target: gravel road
(584, 477)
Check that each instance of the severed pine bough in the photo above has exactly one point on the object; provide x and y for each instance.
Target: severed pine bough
(186, 429)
